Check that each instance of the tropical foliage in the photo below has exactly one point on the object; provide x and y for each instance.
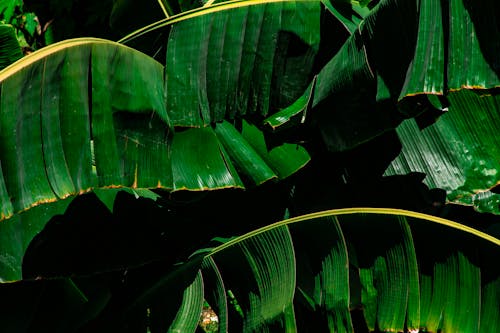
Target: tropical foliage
(141, 180)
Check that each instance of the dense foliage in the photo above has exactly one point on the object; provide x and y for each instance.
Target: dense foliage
(144, 165)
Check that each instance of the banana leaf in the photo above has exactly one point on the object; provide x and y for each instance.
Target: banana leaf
(90, 113)
(223, 80)
(318, 272)
(241, 61)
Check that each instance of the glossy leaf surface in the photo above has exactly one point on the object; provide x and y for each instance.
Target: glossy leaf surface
(91, 113)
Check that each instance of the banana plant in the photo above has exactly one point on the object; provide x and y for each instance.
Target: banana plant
(90, 114)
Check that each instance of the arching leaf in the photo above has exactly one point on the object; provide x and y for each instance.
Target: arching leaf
(418, 273)
(188, 316)
(64, 122)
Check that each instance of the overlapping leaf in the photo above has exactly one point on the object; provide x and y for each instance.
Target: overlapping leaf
(354, 95)
(315, 272)
(89, 113)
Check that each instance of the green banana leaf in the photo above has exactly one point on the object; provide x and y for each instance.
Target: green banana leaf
(354, 95)
(403, 271)
(241, 61)
(61, 138)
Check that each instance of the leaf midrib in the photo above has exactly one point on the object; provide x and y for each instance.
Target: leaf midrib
(363, 210)
(189, 14)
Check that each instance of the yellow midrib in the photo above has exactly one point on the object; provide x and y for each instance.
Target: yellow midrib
(362, 210)
(54, 48)
(208, 8)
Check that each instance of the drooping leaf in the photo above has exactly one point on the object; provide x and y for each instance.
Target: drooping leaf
(89, 113)
(444, 61)
(49, 135)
